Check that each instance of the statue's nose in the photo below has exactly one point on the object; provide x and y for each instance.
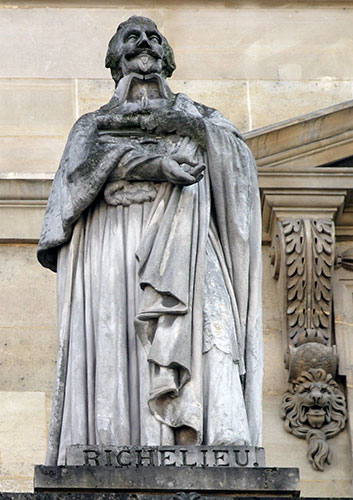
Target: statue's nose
(143, 41)
(316, 396)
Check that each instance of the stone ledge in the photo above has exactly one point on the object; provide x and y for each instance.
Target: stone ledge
(221, 480)
(310, 140)
(139, 496)
(143, 496)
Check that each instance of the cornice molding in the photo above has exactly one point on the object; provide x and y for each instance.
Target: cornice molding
(297, 173)
(309, 140)
(23, 198)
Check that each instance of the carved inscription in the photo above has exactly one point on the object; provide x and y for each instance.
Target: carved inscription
(162, 456)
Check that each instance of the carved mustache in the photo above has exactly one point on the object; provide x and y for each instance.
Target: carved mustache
(143, 50)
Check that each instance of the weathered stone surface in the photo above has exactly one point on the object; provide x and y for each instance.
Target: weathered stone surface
(272, 102)
(27, 298)
(157, 456)
(30, 154)
(93, 93)
(36, 107)
(23, 433)
(141, 496)
(228, 96)
(16, 485)
(133, 4)
(168, 479)
(204, 38)
(184, 4)
(18, 348)
(22, 204)
(275, 375)
(128, 496)
(20, 221)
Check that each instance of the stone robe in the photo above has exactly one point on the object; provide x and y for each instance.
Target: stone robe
(159, 303)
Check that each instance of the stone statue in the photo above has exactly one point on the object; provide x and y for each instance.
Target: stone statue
(153, 226)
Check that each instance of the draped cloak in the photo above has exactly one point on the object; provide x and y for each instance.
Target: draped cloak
(221, 211)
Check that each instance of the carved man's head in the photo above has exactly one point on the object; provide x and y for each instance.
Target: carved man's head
(138, 47)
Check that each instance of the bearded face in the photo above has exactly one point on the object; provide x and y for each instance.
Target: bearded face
(138, 47)
(141, 50)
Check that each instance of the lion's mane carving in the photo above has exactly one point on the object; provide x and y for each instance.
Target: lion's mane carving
(314, 409)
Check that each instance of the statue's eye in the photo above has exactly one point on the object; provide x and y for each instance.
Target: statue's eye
(131, 38)
(154, 38)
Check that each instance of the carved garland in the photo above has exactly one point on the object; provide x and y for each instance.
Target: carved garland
(302, 259)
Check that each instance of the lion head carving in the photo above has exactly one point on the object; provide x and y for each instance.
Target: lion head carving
(314, 409)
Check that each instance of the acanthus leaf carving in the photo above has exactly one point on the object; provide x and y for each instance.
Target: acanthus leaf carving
(308, 262)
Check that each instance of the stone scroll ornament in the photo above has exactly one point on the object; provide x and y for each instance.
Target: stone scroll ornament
(313, 407)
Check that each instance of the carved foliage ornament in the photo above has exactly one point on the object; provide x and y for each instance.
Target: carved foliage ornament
(302, 259)
(307, 261)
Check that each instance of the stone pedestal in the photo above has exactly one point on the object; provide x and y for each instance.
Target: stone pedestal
(169, 482)
(175, 472)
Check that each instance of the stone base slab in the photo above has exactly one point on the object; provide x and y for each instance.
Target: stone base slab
(142, 496)
(155, 481)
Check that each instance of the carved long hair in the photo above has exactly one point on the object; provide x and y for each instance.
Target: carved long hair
(114, 54)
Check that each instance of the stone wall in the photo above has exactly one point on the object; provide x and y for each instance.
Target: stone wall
(257, 61)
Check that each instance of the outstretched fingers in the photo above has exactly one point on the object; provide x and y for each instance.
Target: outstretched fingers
(197, 170)
(182, 158)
